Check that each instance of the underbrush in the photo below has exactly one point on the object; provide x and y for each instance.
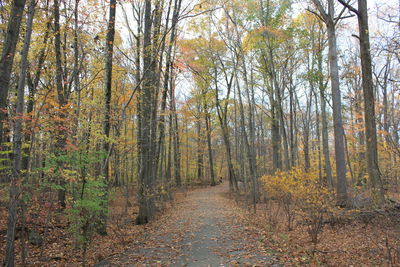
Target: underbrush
(55, 238)
(298, 220)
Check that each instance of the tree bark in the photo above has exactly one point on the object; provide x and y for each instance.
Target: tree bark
(369, 105)
(17, 143)
(199, 161)
(369, 101)
(207, 121)
(33, 83)
(107, 92)
(7, 58)
(167, 78)
(324, 123)
(222, 112)
(62, 96)
(176, 142)
(341, 184)
(146, 98)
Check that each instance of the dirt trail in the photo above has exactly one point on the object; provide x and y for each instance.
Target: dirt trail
(203, 229)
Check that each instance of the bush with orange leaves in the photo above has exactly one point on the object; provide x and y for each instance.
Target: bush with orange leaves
(300, 193)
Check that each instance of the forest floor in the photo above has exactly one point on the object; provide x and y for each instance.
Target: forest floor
(203, 229)
(209, 227)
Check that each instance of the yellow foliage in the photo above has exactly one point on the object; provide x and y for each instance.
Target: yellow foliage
(297, 186)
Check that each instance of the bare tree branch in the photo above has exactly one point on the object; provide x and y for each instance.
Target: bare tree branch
(321, 10)
(316, 14)
(351, 8)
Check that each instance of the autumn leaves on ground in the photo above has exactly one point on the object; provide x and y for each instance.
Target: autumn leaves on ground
(207, 226)
(199, 133)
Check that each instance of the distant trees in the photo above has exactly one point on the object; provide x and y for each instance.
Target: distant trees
(275, 43)
(154, 39)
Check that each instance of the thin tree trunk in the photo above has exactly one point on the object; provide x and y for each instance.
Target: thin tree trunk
(222, 112)
(76, 68)
(318, 133)
(107, 111)
(207, 121)
(176, 142)
(32, 87)
(292, 110)
(247, 145)
(199, 152)
(324, 122)
(62, 101)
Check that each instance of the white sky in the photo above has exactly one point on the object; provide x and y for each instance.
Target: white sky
(345, 38)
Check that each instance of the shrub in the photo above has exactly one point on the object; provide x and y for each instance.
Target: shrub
(300, 193)
(86, 212)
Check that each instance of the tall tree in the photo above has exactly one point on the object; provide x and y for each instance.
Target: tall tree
(329, 19)
(324, 120)
(107, 106)
(168, 82)
(207, 122)
(62, 97)
(15, 189)
(222, 112)
(247, 132)
(369, 100)
(146, 101)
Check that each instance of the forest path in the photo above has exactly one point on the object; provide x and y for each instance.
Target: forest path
(202, 229)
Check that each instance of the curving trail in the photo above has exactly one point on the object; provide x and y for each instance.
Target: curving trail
(202, 229)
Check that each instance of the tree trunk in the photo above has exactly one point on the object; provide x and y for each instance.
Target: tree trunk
(369, 105)
(222, 112)
(17, 143)
(292, 112)
(207, 121)
(7, 57)
(62, 101)
(341, 184)
(247, 147)
(33, 83)
(108, 66)
(146, 98)
(199, 161)
(176, 142)
(318, 133)
(324, 123)
(76, 70)
(369, 101)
